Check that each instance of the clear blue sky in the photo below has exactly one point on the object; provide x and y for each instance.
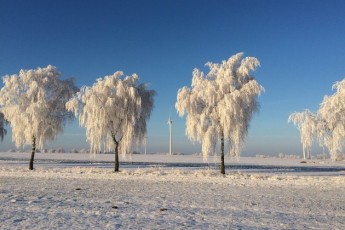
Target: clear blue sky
(300, 44)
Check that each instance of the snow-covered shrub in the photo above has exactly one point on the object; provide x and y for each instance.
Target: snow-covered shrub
(322, 156)
(340, 157)
(84, 151)
(281, 155)
(60, 150)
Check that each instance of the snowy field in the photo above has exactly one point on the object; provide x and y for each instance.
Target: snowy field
(158, 191)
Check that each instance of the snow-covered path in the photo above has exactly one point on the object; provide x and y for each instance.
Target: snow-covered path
(156, 198)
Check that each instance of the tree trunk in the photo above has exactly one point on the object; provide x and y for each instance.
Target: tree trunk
(222, 166)
(304, 153)
(117, 164)
(31, 165)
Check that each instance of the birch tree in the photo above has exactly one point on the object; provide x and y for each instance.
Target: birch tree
(34, 104)
(114, 111)
(307, 124)
(327, 125)
(220, 104)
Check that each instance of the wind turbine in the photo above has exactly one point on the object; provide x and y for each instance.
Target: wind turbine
(145, 143)
(170, 128)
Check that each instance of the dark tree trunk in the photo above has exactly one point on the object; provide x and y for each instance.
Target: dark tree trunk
(222, 166)
(116, 143)
(117, 163)
(31, 165)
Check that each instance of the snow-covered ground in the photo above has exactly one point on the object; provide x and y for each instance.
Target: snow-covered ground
(72, 191)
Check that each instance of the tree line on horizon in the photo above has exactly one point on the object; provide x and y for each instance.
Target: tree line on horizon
(219, 106)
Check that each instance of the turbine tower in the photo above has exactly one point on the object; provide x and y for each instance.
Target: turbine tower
(145, 144)
(170, 128)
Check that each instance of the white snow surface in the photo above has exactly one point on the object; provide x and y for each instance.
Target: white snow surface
(67, 191)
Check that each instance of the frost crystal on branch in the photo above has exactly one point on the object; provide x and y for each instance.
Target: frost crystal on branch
(220, 105)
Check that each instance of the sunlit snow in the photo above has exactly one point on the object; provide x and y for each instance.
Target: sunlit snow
(160, 191)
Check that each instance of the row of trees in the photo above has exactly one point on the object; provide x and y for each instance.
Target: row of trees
(219, 107)
(326, 126)
(37, 104)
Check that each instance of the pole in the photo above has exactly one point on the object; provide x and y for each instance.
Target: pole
(170, 127)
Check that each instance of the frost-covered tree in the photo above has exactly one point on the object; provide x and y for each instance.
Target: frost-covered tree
(34, 104)
(306, 122)
(332, 120)
(220, 104)
(114, 112)
(3, 122)
(326, 126)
